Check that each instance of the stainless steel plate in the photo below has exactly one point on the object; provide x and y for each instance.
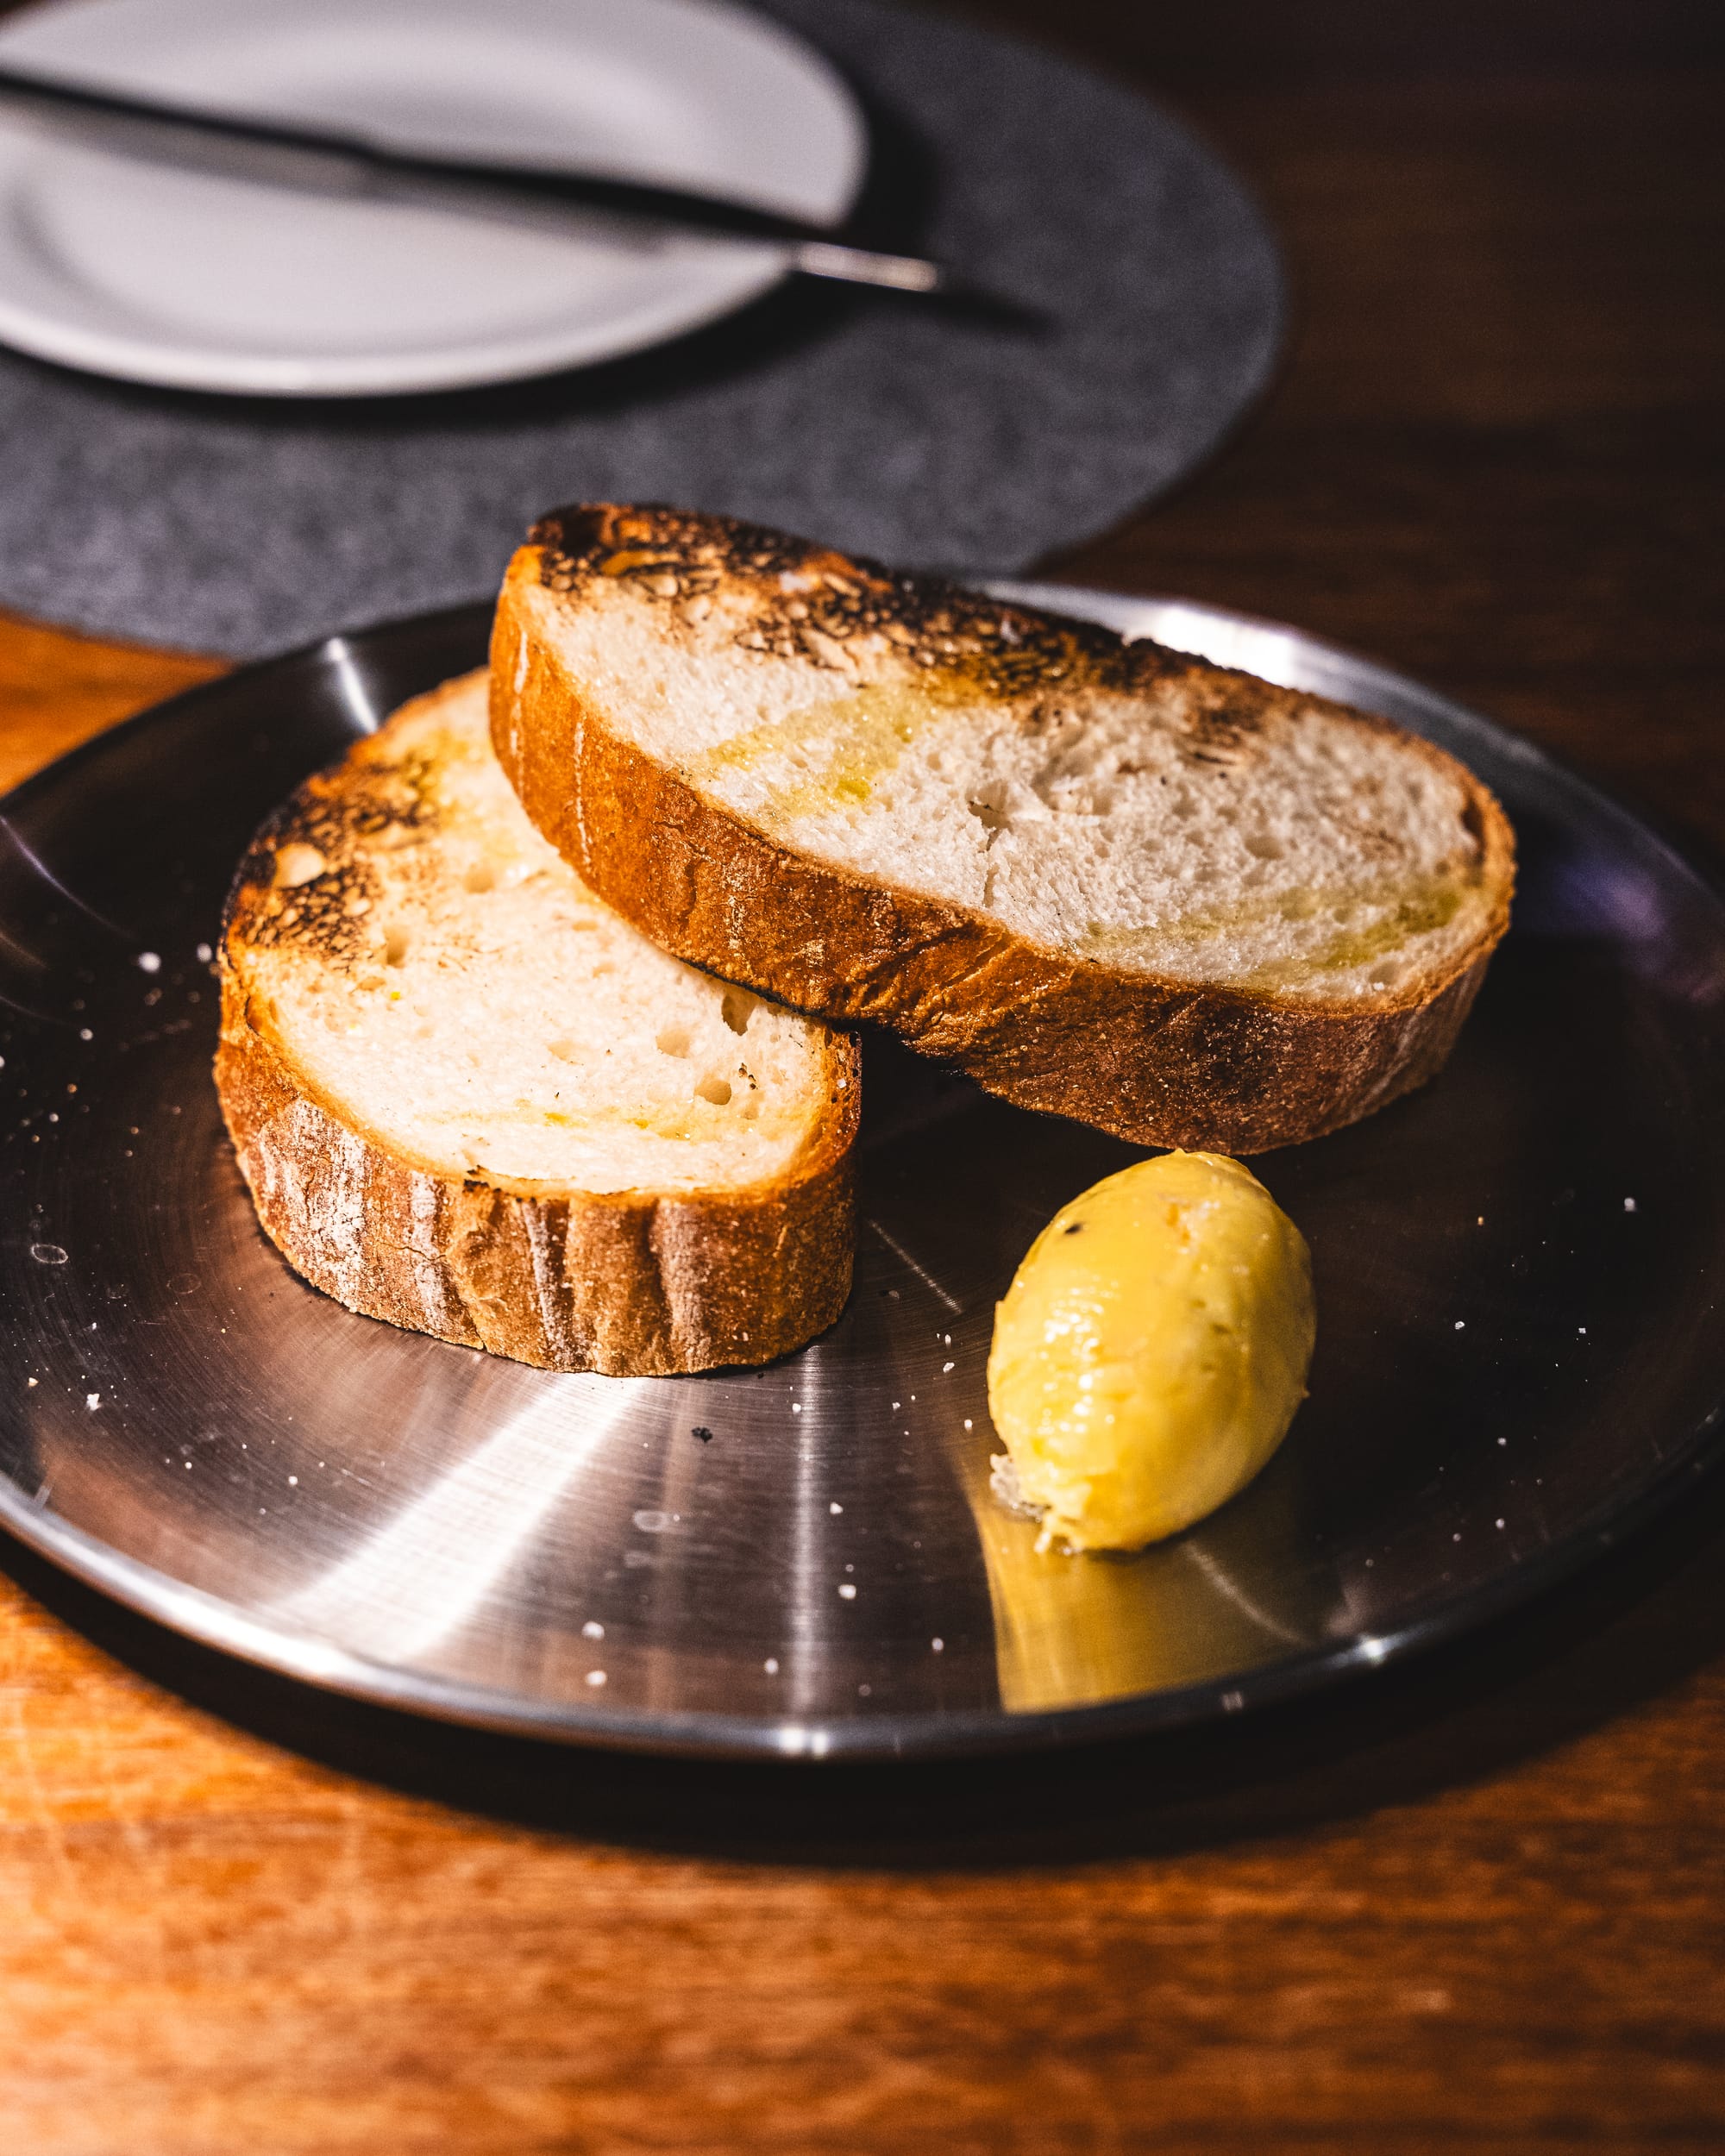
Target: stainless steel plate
(1518, 1277)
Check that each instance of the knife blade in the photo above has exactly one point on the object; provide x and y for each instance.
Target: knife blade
(325, 159)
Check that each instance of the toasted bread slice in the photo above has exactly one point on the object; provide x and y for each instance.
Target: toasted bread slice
(470, 1100)
(1103, 878)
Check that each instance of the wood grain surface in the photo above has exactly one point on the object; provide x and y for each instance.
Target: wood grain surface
(1475, 1904)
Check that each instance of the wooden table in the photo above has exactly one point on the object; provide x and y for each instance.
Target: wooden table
(1478, 1904)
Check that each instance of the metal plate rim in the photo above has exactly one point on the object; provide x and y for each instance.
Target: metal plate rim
(208, 1621)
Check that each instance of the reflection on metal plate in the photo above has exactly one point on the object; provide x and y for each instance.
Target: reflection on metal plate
(1517, 1271)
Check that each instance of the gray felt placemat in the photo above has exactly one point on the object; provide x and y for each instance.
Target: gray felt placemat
(884, 426)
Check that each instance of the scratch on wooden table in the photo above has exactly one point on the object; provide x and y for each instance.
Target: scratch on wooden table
(18, 1772)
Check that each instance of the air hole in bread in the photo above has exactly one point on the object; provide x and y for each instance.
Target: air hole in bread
(394, 946)
(481, 877)
(736, 1008)
(673, 1040)
(717, 1090)
(1265, 846)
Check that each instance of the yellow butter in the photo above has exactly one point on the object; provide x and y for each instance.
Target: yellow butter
(1151, 1352)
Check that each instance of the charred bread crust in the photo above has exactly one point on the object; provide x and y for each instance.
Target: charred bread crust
(1156, 1062)
(629, 1283)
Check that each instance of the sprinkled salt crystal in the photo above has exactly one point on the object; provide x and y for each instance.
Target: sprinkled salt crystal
(1629, 1205)
(1500, 1523)
(292, 1480)
(937, 1647)
(148, 962)
(835, 1509)
(847, 1592)
(595, 1678)
(652, 1523)
(204, 953)
(1461, 1324)
(593, 1630)
(84, 1033)
(771, 1665)
(968, 1424)
(796, 1406)
(93, 1399)
(29, 1380)
(863, 1691)
(946, 1367)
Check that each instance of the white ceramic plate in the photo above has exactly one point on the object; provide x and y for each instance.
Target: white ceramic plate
(153, 274)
